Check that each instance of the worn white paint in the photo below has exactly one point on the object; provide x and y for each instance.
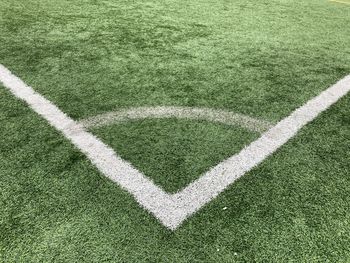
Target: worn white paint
(192, 113)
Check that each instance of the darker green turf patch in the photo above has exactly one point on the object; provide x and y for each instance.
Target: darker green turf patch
(174, 152)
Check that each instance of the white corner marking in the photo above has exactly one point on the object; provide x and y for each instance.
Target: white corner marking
(173, 209)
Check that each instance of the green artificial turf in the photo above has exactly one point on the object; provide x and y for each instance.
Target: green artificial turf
(56, 207)
(174, 152)
(259, 58)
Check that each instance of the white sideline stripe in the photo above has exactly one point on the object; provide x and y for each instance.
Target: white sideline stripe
(173, 209)
(219, 116)
(103, 157)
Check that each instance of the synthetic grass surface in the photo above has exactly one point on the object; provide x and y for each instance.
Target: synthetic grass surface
(55, 206)
(174, 152)
(261, 58)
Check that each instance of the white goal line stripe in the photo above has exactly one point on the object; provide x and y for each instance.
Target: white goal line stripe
(192, 113)
(173, 209)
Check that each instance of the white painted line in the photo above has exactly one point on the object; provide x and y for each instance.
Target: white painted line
(104, 158)
(340, 2)
(173, 209)
(212, 115)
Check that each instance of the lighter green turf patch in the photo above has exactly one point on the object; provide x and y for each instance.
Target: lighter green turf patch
(259, 58)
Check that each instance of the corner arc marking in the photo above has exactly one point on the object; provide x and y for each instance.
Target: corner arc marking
(192, 113)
